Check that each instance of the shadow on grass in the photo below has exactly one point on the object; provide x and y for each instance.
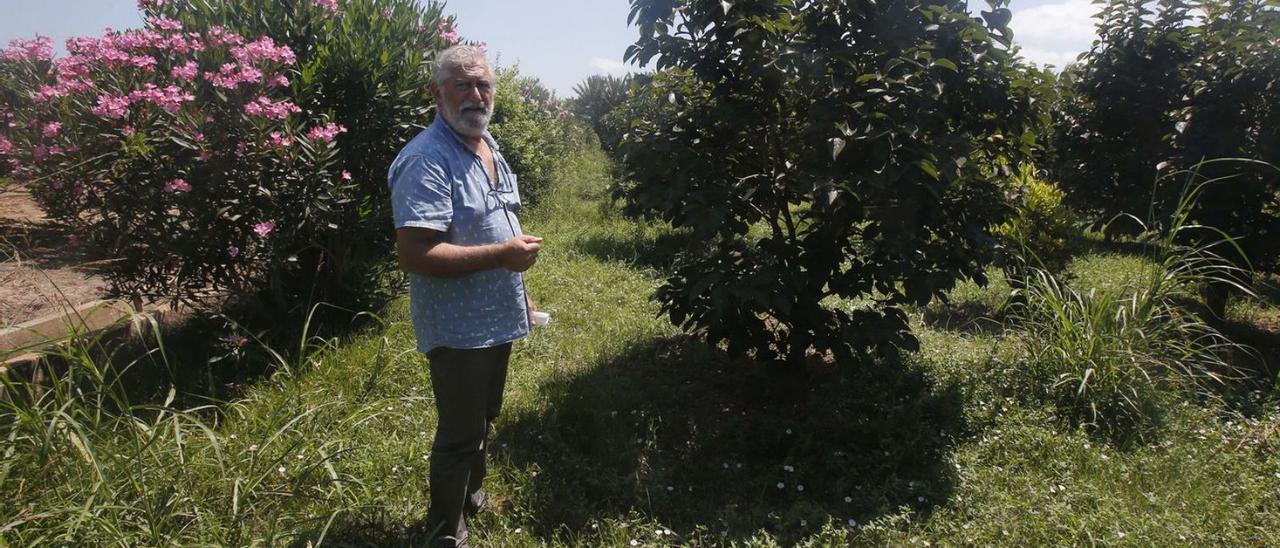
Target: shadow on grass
(1125, 246)
(656, 252)
(674, 431)
(977, 318)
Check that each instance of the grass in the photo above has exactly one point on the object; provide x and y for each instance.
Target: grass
(620, 431)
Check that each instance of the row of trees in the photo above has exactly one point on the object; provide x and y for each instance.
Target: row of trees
(1165, 87)
(866, 152)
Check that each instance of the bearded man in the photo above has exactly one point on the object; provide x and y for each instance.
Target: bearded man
(455, 201)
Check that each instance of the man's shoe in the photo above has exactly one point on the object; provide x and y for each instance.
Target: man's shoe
(477, 502)
(449, 542)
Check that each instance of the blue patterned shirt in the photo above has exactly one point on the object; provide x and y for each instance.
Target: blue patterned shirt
(438, 183)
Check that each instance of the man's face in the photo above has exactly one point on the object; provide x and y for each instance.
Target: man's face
(465, 98)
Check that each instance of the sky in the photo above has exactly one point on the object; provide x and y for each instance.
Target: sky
(559, 41)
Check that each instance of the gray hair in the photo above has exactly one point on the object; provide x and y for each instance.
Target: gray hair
(457, 56)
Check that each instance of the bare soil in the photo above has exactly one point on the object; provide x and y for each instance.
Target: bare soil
(40, 272)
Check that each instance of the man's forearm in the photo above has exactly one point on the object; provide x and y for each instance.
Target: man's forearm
(444, 260)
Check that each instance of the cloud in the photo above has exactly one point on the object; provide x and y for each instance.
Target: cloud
(609, 66)
(1055, 33)
(1059, 59)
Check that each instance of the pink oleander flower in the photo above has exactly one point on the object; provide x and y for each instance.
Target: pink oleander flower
(127, 131)
(51, 129)
(346, 175)
(233, 251)
(274, 111)
(46, 92)
(177, 185)
(278, 80)
(447, 32)
(144, 4)
(187, 71)
(111, 106)
(137, 40)
(170, 98)
(264, 228)
(38, 49)
(218, 36)
(230, 75)
(164, 23)
(263, 49)
(331, 5)
(145, 62)
(5, 145)
(325, 133)
(279, 140)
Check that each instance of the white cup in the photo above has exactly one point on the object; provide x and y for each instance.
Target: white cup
(541, 318)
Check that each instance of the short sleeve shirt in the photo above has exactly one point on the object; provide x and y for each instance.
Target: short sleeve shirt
(438, 183)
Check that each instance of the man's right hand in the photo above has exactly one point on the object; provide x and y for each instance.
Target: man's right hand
(521, 252)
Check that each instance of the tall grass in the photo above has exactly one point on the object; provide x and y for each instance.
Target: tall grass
(84, 463)
(1113, 358)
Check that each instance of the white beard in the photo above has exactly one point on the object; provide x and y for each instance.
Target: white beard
(469, 122)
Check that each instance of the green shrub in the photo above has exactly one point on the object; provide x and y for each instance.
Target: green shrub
(814, 168)
(534, 129)
(1043, 229)
(1115, 121)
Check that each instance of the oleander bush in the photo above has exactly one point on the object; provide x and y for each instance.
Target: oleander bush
(535, 129)
(228, 146)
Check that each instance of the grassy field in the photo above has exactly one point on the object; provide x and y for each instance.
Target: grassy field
(620, 431)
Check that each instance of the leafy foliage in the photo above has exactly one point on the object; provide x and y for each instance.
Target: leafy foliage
(1233, 111)
(1114, 125)
(1043, 226)
(534, 129)
(596, 98)
(363, 64)
(1166, 90)
(822, 151)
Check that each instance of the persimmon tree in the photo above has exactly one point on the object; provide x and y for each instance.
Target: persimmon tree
(834, 161)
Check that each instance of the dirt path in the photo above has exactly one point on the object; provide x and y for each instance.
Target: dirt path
(40, 272)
